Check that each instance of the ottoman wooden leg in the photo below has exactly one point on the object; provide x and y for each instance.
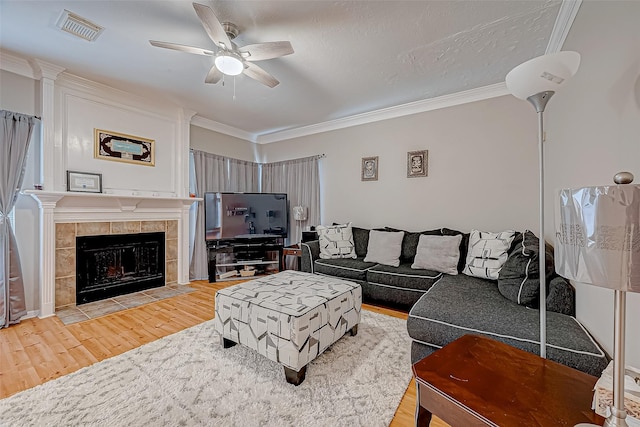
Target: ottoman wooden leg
(294, 377)
(227, 343)
(354, 331)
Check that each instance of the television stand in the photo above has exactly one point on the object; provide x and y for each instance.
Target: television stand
(232, 259)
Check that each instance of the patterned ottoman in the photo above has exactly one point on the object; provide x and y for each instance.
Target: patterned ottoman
(290, 317)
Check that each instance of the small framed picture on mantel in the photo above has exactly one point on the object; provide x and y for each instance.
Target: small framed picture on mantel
(84, 182)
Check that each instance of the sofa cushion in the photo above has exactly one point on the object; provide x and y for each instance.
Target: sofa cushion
(336, 241)
(438, 253)
(384, 247)
(519, 278)
(459, 305)
(487, 253)
(360, 240)
(402, 277)
(464, 245)
(410, 242)
(346, 268)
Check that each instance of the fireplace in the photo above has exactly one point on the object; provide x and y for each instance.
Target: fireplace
(111, 265)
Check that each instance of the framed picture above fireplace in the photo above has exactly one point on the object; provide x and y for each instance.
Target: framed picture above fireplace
(124, 148)
(84, 182)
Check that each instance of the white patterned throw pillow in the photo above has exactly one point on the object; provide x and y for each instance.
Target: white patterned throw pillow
(487, 253)
(336, 241)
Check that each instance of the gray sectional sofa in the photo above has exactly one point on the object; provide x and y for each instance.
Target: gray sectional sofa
(443, 307)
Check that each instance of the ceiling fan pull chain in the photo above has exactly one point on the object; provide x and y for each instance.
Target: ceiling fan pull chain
(234, 88)
(223, 79)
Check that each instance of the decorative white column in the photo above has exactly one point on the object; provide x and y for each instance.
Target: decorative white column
(183, 243)
(47, 74)
(47, 264)
(182, 152)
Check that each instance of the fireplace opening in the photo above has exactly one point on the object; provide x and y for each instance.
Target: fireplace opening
(112, 265)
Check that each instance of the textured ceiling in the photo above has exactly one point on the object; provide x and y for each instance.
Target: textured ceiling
(350, 57)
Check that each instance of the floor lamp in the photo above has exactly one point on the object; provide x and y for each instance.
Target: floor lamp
(598, 243)
(536, 81)
(299, 214)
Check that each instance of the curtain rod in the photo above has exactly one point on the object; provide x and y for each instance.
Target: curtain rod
(317, 156)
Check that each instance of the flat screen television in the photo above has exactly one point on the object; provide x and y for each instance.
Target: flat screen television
(245, 215)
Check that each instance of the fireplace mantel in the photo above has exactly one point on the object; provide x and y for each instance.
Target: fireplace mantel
(59, 207)
(87, 202)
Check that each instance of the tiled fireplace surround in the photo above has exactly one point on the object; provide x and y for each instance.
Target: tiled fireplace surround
(65, 250)
(65, 215)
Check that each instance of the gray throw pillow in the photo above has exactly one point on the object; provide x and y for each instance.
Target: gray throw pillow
(464, 245)
(438, 253)
(410, 242)
(384, 247)
(519, 279)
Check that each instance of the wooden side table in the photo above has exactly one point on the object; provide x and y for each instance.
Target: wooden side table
(477, 381)
(293, 250)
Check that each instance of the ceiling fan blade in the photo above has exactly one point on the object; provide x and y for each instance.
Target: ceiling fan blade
(213, 76)
(260, 75)
(269, 50)
(212, 26)
(181, 47)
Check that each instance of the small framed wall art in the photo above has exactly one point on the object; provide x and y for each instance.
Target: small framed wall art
(369, 168)
(84, 182)
(417, 163)
(124, 148)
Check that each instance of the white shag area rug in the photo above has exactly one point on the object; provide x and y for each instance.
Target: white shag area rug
(188, 379)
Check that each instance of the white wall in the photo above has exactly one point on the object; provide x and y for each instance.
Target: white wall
(83, 107)
(223, 145)
(593, 126)
(482, 169)
(19, 94)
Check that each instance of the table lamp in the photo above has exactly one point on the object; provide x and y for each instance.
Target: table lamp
(598, 243)
(536, 80)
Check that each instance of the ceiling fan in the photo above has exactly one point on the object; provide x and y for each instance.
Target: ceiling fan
(231, 59)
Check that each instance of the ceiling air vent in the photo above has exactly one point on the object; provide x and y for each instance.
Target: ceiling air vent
(79, 26)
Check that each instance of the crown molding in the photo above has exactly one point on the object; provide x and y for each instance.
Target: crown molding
(472, 95)
(564, 21)
(222, 128)
(42, 69)
(16, 65)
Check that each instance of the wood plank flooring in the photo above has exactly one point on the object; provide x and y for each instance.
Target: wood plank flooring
(38, 350)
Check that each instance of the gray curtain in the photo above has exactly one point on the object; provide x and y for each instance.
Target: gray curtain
(300, 179)
(15, 136)
(216, 173)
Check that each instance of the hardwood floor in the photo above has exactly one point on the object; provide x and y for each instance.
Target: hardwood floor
(38, 350)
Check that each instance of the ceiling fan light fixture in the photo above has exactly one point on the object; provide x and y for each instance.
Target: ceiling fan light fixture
(229, 63)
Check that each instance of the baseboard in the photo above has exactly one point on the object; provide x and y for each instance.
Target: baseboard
(30, 314)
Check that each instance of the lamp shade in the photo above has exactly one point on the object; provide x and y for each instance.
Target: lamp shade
(544, 73)
(228, 63)
(598, 236)
(299, 213)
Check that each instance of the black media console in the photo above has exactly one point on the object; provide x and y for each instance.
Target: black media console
(245, 256)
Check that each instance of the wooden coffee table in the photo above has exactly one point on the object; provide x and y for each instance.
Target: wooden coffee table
(477, 381)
